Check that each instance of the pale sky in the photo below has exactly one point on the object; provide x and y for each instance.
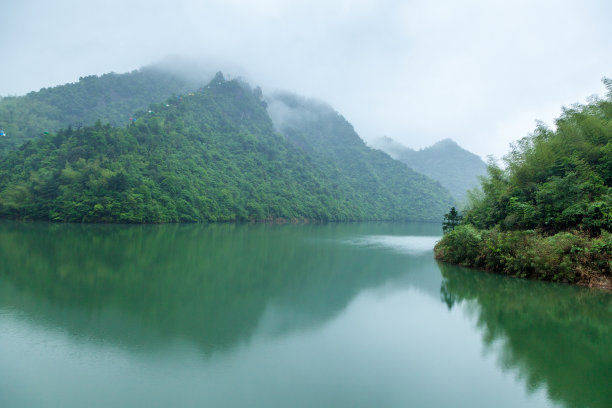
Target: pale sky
(480, 72)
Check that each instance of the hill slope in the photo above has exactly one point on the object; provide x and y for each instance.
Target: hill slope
(454, 167)
(548, 214)
(111, 98)
(209, 156)
(371, 175)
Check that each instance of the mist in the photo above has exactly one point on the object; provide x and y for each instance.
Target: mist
(480, 73)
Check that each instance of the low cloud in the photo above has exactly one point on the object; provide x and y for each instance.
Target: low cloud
(417, 71)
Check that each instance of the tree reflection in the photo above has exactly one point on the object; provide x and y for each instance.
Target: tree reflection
(555, 336)
(146, 285)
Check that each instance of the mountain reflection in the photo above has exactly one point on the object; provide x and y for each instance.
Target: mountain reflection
(141, 286)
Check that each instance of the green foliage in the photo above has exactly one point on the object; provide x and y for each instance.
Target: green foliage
(554, 180)
(460, 245)
(368, 176)
(563, 257)
(548, 214)
(453, 167)
(451, 220)
(212, 155)
(111, 98)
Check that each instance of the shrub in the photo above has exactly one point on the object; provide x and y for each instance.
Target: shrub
(564, 257)
(460, 246)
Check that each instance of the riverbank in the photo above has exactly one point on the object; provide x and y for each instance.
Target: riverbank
(568, 257)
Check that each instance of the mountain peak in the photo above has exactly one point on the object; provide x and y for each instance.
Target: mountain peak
(454, 167)
(219, 78)
(447, 142)
(208, 155)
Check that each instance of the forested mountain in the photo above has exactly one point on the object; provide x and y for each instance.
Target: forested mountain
(454, 167)
(211, 155)
(111, 98)
(330, 140)
(548, 213)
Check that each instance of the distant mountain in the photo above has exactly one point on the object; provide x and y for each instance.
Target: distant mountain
(454, 167)
(372, 176)
(111, 98)
(210, 155)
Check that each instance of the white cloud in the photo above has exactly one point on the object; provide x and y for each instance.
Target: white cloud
(479, 72)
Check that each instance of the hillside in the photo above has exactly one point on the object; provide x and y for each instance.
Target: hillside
(331, 141)
(446, 162)
(548, 213)
(211, 155)
(111, 98)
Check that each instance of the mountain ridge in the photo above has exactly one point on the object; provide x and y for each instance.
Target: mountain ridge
(111, 98)
(212, 155)
(456, 168)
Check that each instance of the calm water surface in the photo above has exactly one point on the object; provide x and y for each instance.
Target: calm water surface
(346, 315)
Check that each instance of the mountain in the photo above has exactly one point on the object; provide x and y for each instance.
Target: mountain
(111, 98)
(370, 175)
(454, 167)
(213, 155)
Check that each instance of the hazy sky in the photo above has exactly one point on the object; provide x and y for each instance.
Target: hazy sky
(480, 72)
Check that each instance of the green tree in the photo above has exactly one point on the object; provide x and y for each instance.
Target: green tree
(112, 98)
(548, 213)
(554, 180)
(451, 220)
(213, 155)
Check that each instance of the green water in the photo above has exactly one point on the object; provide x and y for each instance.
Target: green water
(347, 315)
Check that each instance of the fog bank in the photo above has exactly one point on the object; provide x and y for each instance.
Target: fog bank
(417, 71)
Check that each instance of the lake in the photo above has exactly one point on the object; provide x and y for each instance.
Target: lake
(337, 315)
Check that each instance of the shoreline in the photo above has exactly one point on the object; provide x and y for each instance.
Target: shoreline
(272, 221)
(566, 257)
(599, 283)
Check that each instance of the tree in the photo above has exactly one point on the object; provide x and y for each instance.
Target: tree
(451, 220)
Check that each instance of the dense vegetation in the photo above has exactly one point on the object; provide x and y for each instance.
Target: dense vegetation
(562, 257)
(446, 162)
(212, 155)
(370, 176)
(111, 98)
(548, 214)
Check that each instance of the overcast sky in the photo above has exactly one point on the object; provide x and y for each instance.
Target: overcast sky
(480, 72)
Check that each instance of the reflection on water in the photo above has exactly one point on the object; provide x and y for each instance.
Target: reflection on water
(209, 284)
(262, 315)
(555, 336)
(407, 244)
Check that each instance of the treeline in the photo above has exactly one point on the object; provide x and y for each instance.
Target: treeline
(211, 155)
(548, 213)
(110, 98)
